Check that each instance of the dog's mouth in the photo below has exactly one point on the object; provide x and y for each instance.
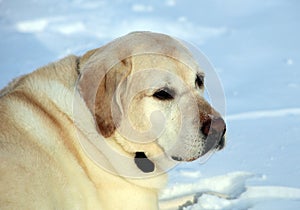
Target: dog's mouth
(143, 163)
(214, 143)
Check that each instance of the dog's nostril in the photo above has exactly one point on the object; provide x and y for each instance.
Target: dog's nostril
(216, 126)
(206, 127)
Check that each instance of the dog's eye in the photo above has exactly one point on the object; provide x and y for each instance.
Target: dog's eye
(199, 81)
(163, 95)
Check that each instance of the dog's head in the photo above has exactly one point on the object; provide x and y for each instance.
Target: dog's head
(145, 91)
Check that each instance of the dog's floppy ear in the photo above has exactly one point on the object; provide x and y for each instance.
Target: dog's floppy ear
(98, 87)
(106, 95)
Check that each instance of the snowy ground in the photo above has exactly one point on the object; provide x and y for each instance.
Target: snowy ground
(254, 46)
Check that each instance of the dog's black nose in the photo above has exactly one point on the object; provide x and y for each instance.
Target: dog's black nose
(215, 129)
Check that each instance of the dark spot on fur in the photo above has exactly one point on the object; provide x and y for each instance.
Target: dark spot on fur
(143, 162)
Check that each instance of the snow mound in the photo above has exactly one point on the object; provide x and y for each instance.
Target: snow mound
(226, 192)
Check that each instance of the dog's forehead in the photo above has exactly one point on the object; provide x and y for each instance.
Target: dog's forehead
(168, 68)
(144, 50)
(166, 51)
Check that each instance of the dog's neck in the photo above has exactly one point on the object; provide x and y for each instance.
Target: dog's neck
(139, 189)
(124, 190)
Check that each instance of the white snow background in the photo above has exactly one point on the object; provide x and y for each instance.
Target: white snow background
(255, 48)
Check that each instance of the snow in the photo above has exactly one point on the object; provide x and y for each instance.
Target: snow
(289, 61)
(227, 192)
(254, 46)
(142, 8)
(171, 3)
(33, 26)
(264, 114)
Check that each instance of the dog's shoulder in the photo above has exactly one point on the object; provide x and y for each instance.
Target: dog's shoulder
(41, 93)
(64, 70)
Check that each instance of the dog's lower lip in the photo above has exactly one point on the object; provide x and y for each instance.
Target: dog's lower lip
(176, 158)
(180, 159)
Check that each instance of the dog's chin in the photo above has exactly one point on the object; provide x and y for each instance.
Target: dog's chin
(203, 157)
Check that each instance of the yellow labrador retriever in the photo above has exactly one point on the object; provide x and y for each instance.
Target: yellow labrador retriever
(100, 131)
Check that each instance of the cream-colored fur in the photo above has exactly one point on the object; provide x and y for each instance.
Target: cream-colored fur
(43, 164)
